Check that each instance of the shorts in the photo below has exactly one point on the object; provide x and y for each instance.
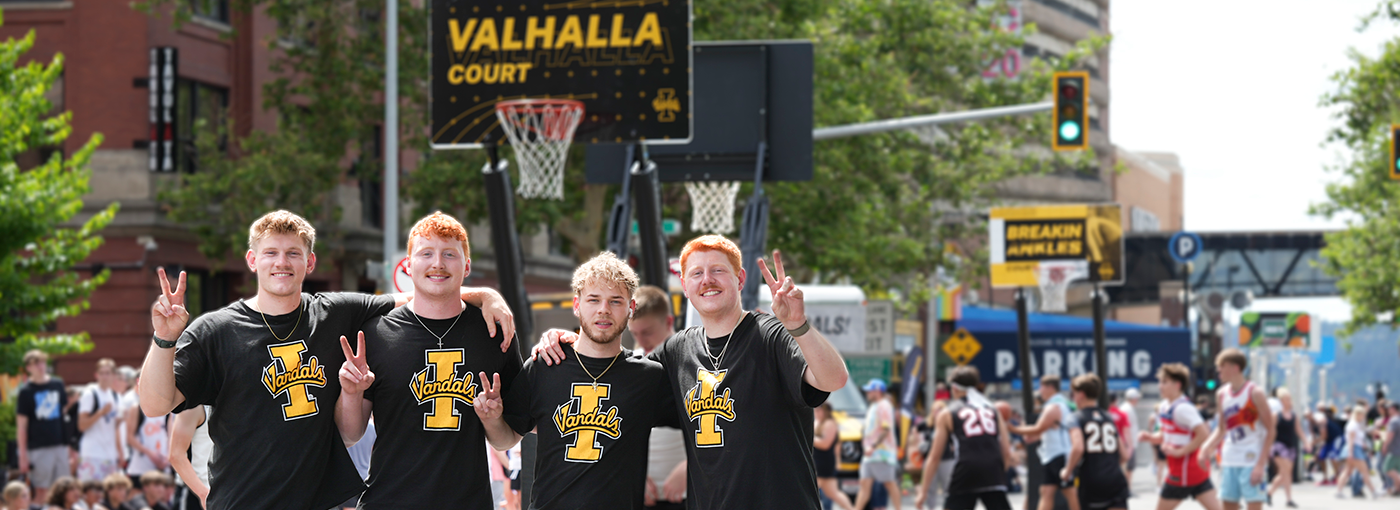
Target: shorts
(1084, 502)
(879, 471)
(1332, 450)
(48, 464)
(1392, 463)
(1161, 457)
(1052, 474)
(1235, 486)
(938, 489)
(994, 500)
(1177, 492)
(95, 469)
(1281, 450)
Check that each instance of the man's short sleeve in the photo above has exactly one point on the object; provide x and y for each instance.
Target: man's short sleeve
(790, 363)
(1186, 416)
(194, 374)
(517, 400)
(25, 406)
(1068, 419)
(361, 306)
(87, 400)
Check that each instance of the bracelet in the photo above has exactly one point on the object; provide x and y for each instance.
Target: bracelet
(163, 344)
(801, 330)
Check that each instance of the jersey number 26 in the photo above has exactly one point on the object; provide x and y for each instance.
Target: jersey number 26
(978, 421)
(1101, 439)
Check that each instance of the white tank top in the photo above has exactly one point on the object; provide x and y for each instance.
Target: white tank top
(151, 434)
(201, 447)
(1244, 430)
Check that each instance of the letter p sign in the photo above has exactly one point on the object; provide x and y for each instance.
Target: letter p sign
(1184, 247)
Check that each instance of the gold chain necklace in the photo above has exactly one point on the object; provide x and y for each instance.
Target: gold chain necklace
(289, 333)
(590, 374)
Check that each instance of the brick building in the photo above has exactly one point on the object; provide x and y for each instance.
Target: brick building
(224, 59)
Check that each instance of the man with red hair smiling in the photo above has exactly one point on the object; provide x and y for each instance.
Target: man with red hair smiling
(745, 383)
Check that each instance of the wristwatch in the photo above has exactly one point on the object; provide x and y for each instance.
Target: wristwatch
(163, 344)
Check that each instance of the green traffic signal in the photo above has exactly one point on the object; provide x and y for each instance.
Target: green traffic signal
(1210, 384)
(1069, 130)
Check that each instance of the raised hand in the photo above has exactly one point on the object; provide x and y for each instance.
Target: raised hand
(787, 298)
(494, 309)
(355, 376)
(168, 314)
(488, 403)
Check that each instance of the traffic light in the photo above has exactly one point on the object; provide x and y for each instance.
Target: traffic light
(1071, 111)
(1211, 384)
(1395, 151)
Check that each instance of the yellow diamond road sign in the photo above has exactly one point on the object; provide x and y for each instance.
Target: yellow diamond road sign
(962, 347)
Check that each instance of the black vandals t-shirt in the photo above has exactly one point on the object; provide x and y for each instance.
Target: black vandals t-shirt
(593, 440)
(747, 424)
(431, 448)
(275, 441)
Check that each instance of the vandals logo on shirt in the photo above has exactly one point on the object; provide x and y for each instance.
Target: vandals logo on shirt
(702, 404)
(287, 375)
(584, 416)
(438, 384)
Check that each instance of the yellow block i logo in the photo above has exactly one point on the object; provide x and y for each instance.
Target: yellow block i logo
(587, 421)
(438, 384)
(287, 375)
(702, 404)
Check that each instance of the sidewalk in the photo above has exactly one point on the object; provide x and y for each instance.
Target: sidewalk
(1307, 495)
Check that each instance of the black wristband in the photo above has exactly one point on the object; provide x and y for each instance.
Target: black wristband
(801, 330)
(163, 344)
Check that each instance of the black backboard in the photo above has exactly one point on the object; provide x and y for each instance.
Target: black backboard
(628, 62)
(746, 92)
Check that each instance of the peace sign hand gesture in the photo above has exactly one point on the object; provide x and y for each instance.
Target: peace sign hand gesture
(355, 376)
(168, 314)
(488, 403)
(787, 298)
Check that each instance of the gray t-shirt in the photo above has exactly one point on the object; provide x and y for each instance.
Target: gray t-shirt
(1394, 428)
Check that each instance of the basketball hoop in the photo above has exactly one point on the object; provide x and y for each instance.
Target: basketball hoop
(540, 131)
(712, 205)
(1053, 277)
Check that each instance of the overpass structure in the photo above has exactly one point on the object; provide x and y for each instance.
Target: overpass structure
(1271, 264)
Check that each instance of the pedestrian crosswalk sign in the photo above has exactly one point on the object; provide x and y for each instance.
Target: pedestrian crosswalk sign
(962, 347)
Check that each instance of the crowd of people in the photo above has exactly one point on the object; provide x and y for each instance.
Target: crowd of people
(1252, 439)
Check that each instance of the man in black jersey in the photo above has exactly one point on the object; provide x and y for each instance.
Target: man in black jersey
(976, 430)
(264, 361)
(415, 370)
(594, 414)
(1097, 441)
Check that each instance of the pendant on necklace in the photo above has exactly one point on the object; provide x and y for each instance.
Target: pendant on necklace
(595, 386)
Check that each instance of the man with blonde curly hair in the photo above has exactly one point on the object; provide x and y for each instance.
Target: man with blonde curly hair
(416, 370)
(595, 414)
(263, 362)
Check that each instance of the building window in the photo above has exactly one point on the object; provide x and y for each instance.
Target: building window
(1144, 220)
(1081, 10)
(369, 172)
(199, 109)
(213, 10)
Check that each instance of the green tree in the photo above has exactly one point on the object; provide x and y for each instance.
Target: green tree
(1365, 257)
(877, 211)
(37, 281)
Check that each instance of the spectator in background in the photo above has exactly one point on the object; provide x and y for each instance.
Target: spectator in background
(1287, 439)
(99, 453)
(71, 435)
(360, 454)
(92, 496)
(118, 489)
(1391, 449)
(155, 493)
(149, 439)
(190, 448)
(1053, 429)
(940, 391)
(651, 324)
(16, 497)
(125, 386)
(938, 485)
(1355, 451)
(43, 451)
(495, 462)
(879, 463)
(824, 447)
(65, 494)
(1129, 408)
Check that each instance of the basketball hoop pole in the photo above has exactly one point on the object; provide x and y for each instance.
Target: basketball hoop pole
(620, 221)
(505, 241)
(1023, 341)
(646, 190)
(753, 234)
(1100, 349)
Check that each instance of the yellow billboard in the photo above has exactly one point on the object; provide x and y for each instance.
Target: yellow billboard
(1022, 238)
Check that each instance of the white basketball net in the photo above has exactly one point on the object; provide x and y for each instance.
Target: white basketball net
(1053, 279)
(540, 131)
(712, 205)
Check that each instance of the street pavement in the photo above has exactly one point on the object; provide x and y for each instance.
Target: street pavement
(1307, 495)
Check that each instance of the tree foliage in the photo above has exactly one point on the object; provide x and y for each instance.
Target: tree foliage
(1365, 256)
(877, 212)
(37, 281)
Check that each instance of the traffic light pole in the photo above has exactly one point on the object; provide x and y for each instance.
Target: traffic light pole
(880, 126)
